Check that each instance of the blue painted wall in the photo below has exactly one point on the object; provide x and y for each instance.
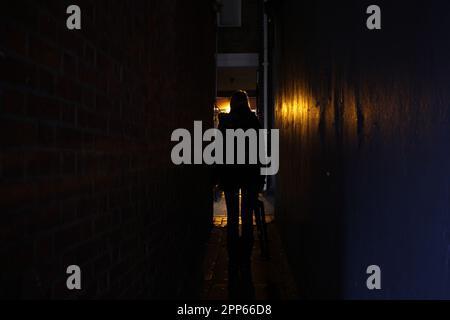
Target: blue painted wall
(365, 146)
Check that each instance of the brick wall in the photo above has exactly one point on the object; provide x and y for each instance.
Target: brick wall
(85, 124)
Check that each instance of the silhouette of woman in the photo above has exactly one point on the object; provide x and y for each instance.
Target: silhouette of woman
(245, 179)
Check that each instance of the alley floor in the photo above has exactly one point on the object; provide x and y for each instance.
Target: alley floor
(272, 279)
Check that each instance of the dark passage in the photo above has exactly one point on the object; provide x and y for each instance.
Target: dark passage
(272, 277)
(87, 179)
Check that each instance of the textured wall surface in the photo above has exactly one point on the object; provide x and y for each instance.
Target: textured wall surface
(365, 146)
(85, 124)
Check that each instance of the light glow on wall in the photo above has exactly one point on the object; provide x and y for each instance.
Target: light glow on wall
(296, 107)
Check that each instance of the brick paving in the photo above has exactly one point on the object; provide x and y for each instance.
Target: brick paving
(272, 279)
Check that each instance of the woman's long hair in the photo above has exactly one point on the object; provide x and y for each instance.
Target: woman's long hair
(239, 102)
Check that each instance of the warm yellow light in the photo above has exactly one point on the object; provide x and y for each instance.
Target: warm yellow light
(223, 104)
(295, 108)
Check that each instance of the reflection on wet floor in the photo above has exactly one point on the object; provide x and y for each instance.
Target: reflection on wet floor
(272, 279)
(220, 211)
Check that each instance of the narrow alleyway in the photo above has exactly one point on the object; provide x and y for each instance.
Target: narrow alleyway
(105, 185)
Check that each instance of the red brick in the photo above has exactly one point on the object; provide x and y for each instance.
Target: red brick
(87, 207)
(69, 114)
(17, 195)
(80, 255)
(59, 289)
(68, 163)
(13, 38)
(17, 72)
(43, 218)
(68, 138)
(70, 65)
(87, 74)
(44, 249)
(69, 209)
(23, 12)
(91, 120)
(90, 56)
(13, 228)
(13, 102)
(48, 26)
(15, 133)
(68, 89)
(12, 164)
(46, 81)
(67, 237)
(23, 254)
(103, 223)
(45, 54)
(42, 163)
(88, 98)
(71, 42)
(43, 108)
(84, 122)
(45, 135)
